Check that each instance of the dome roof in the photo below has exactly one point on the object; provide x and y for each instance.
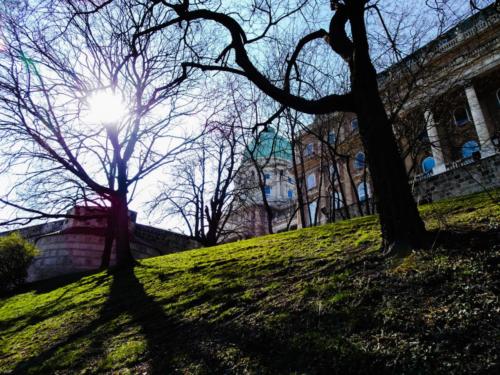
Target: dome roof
(269, 145)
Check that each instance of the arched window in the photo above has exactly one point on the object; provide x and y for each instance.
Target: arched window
(428, 164)
(461, 116)
(311, 181)
(469, 148)
(309, 149)
(331, 137)
(337, 200)
(359, 160)
(312, 211)
(267, 190)
(354, 124)
(363, 191)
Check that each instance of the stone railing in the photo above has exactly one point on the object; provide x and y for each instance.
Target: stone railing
(422, 176)
(463, 177)
(459, 163)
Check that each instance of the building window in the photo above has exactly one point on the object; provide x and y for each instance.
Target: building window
(332, 137)
(290, 194)
(363, 191)
(359, 161)
(469, 148)
(332, 171)
(428, 164)
(267, 190)
(267, 177)
(290, 180)
(311, 181)
(354, 124)
(312, 211)
(461, 116)
(309, 149)
(337, 201)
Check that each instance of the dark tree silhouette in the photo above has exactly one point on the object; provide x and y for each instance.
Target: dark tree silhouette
(400, 221)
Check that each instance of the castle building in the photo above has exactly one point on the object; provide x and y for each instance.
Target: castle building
(265, 188)
(450, 121)
(446, 97)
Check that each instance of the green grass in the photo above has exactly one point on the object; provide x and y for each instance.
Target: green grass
(317, 300)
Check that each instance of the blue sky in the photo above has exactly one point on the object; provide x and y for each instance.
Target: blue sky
(420, 23)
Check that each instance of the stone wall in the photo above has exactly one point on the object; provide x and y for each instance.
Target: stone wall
(64, 253)
(150, 241)
(69, 252)
(462, 178)
(36, 231)
(70, 246)
(468, 178)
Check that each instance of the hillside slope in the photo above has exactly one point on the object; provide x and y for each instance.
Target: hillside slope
(311, 301)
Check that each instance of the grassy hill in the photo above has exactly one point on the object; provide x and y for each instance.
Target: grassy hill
(311, 301)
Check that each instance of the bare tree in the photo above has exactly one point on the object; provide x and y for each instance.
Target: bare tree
(54, 64)
(400, 220)
(202, 190)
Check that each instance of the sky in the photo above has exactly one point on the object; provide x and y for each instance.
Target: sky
(419, 20)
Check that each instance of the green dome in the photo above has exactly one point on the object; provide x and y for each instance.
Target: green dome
(270, 145)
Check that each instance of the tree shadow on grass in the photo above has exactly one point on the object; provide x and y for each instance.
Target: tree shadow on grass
(174, 343)
(128, 305)
(460, 240)
(54, 307)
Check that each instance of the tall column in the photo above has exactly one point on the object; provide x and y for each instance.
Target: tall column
(487, 147)
(349, 197)
(436, 149)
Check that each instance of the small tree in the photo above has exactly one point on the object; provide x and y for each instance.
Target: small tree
(200, 185)
(16, 255)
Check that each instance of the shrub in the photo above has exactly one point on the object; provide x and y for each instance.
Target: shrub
(16, 255)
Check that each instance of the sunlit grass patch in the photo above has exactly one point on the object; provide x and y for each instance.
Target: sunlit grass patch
(295, 302)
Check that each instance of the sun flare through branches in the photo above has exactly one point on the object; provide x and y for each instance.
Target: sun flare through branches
(105, 107)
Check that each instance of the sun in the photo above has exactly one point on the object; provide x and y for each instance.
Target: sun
(105, 107)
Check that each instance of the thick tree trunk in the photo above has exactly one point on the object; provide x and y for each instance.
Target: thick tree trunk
(399, 217)
(211, 238)
(402, 227)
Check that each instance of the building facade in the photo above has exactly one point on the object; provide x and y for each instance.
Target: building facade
(265, 188)
(450, 120)
(445, 101)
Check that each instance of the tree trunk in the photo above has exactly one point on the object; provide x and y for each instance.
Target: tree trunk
(399, 217)
(402, 227)
(269, 216)
(108, 241)
(298, 185)
(123, 253)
